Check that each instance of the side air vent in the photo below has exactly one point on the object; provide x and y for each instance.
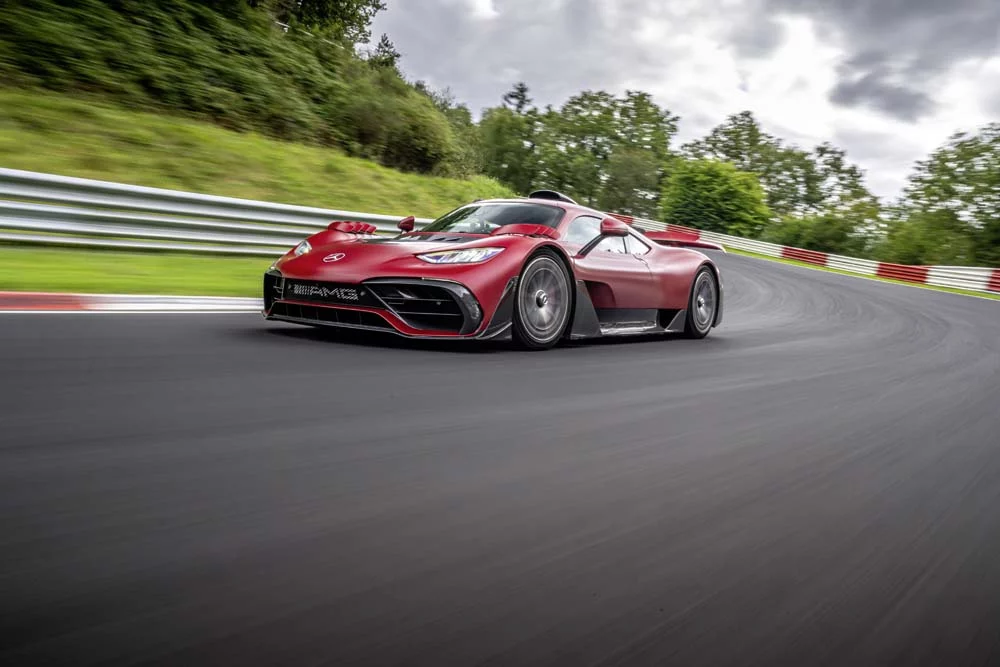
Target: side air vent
(273, 285)
(550, 195)
(427, 307)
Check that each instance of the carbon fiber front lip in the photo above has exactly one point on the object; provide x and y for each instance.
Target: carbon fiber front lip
(386, 330)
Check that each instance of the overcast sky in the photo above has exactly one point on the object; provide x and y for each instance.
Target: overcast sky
(886, 80)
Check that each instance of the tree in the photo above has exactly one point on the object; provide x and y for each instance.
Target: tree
(825, 232)
(954, 198)
(418, 138)
(819, 187)
(605, 150)
(347, 19)
(583, 134)
(385, 54)
(796, 182)
(631, 183)
(741, 141)
(466, 159)
(507, 147)
(517, 99)
(640, 124)
(714, 196)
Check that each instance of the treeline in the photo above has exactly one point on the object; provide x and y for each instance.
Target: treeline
(619, 154)
(294, 69)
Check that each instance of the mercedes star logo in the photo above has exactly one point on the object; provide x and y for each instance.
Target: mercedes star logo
(335, 257)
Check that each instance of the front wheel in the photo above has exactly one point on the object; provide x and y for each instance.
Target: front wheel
(543, 304)
(703, 304)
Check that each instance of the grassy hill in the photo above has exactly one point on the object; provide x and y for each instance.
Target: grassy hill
(78, 137)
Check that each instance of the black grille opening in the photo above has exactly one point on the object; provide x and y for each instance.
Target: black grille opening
(324, 315)
(427, 307)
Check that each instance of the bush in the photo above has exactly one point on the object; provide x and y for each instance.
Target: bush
(715, 196)
(225, 61)
(418, 138)
(824, 233)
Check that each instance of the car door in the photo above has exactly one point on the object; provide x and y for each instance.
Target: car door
(616, 278)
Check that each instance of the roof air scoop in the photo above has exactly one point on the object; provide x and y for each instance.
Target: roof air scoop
(550, 194)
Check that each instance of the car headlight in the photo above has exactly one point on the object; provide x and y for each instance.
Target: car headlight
(302, 248)
(466, 256)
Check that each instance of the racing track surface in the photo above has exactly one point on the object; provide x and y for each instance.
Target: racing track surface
(818, 483)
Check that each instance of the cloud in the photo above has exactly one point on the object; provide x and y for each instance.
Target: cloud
(756, 39)
(483, 9)
(897, 53)
(871, 79)
(886, 80)
(558, 46)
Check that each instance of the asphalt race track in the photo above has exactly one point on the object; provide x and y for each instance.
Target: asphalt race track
(817, 483)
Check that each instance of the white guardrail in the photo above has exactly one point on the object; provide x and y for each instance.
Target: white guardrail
(62, 210)
(45, 209)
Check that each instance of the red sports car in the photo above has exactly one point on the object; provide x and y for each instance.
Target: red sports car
(538, 270)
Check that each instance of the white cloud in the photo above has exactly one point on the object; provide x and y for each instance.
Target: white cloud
(483, 9)
(810, 71)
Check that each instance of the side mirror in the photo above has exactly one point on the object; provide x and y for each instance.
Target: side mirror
(609, 227)
(613, 227)
(407, 223)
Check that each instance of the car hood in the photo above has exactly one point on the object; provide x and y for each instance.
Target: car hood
(354, 260)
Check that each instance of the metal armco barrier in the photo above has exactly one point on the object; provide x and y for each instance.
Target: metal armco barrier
(44, 209)
(62, 210)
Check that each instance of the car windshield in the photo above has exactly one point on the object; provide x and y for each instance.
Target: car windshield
(484, 218)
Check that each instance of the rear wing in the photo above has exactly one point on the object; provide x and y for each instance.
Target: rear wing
(681, 240)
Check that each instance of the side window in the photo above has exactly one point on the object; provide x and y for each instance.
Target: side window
(583, 229)
(636, 246)
(615, 244)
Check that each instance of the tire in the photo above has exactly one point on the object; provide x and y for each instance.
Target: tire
(703, 304)
(543, 302)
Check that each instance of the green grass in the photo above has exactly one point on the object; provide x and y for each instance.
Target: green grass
(807, 265)
(91, 139)
(77, 137)
(112, 272)
(24, 268)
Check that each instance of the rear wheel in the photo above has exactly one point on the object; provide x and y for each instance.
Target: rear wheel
(544, 301)
(702, 305)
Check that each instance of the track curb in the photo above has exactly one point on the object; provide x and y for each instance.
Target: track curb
(53, 302)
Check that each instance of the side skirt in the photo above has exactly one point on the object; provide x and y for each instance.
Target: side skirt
(585, 321)
(588, 322)
(633, 322)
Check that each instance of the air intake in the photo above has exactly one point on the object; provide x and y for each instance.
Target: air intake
(422, 306)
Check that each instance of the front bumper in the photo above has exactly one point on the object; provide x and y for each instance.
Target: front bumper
(412, 307)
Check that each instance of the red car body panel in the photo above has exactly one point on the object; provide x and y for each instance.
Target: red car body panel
(349, 255)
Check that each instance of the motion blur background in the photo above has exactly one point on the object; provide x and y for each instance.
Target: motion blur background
(815, 483)
(302, 103)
